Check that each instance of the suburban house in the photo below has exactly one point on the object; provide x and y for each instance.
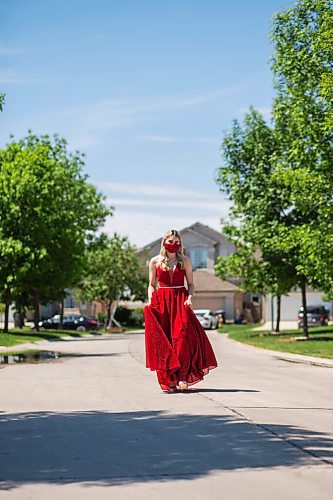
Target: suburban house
(203, 244)
(291, 303)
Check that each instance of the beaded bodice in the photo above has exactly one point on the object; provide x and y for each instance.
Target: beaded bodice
(170, 277)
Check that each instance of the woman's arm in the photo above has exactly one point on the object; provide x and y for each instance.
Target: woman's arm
(189, 279)
(152, 278)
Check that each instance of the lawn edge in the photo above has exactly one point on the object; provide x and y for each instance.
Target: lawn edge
(301, 358)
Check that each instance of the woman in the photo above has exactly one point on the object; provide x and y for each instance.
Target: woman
(177, 346)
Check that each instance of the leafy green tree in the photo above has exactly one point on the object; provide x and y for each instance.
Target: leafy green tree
(280, 178)
(256, 274)
(303, 112)
(113, 272)
(261, 206)
(2, 101)
(48, 212)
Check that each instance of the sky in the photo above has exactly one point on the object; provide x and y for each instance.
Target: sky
(146, 89)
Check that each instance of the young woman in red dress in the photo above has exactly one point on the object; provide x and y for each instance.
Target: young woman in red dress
(177, 347)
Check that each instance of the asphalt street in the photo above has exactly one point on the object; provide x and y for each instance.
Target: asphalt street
(94, 424)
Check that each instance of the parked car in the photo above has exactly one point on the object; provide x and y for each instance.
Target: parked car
(70, 322)
(316, 315)
(206, 317)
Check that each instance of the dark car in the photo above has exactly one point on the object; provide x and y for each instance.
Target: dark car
(70, 322)
(316, 316)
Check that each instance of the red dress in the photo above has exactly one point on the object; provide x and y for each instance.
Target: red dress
(177, 346)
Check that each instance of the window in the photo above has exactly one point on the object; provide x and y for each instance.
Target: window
(199, 257)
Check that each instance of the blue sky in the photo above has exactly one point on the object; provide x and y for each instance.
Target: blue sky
(145, 88)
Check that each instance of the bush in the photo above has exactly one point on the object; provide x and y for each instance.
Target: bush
(123, 315)
(101, 318)
(137, 318)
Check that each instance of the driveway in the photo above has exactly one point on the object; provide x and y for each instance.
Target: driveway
(96, 425)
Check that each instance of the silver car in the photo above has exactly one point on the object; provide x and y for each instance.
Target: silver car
(207, 318)
(316, 316)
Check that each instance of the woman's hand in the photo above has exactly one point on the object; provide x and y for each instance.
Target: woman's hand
(188, 302)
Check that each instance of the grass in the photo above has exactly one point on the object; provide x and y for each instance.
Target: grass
(18, 336)
(319, 344)
(22, 351)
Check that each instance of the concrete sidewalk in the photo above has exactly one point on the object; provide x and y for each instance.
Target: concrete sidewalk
(96, 425)
(284, 325)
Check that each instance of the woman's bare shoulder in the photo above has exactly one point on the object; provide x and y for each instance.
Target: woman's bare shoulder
(186, 259)
(154, 261)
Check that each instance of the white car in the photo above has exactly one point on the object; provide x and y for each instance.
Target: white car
(206, 317)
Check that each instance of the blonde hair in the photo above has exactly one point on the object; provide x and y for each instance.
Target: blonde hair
(164, 259)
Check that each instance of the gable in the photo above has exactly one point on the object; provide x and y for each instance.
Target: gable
(208, 232)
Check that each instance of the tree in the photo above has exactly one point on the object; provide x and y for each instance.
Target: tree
(48, 212)
(261, 216)
(255, 274)
(280, 178)
(2, 101)
(113, 271)
(303, 115)
(250, 151)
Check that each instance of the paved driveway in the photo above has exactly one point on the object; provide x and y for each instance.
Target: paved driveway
(95, 425)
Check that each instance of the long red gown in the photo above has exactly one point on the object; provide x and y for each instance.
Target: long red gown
(177, 346)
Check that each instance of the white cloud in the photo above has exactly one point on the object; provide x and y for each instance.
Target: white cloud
(82, 141)
(142, 228)
(149, 189)
(145, 212)
(159, 138)
(10, 77)
(209, 204)
(119, 113)
(170, 138)
(11, 51)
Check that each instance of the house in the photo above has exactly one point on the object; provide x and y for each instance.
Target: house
(204, 245)
(291, 303)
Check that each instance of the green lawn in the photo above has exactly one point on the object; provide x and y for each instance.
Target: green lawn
(320, 342)
(18, 352)
(19, 336)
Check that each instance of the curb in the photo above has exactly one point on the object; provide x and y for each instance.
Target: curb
(30, 345)
(290, 357)
(40, 343)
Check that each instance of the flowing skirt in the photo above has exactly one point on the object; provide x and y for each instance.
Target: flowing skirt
(177, 346)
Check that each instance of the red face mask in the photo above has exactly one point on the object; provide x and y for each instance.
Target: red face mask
(172, 247)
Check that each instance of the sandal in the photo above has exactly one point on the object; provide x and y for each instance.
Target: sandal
(170, 390)
(182, 385)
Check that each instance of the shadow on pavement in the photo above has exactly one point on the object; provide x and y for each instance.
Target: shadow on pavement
(99, 337)
(220, 390)
(142, 446)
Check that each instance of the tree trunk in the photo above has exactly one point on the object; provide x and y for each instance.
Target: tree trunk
(36, 312)
(22, 317)
(62, 307)
(108, 314)
(112, 317)
(7, 305)
(305, 312)
(278, 313)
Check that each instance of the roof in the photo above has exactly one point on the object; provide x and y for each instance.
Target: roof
(199, 235)
(195, 228)
(215, 235)
(205, 281)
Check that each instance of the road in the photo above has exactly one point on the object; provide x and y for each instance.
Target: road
(96, 425)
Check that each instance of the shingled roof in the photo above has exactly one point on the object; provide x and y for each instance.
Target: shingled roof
(205, 281)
